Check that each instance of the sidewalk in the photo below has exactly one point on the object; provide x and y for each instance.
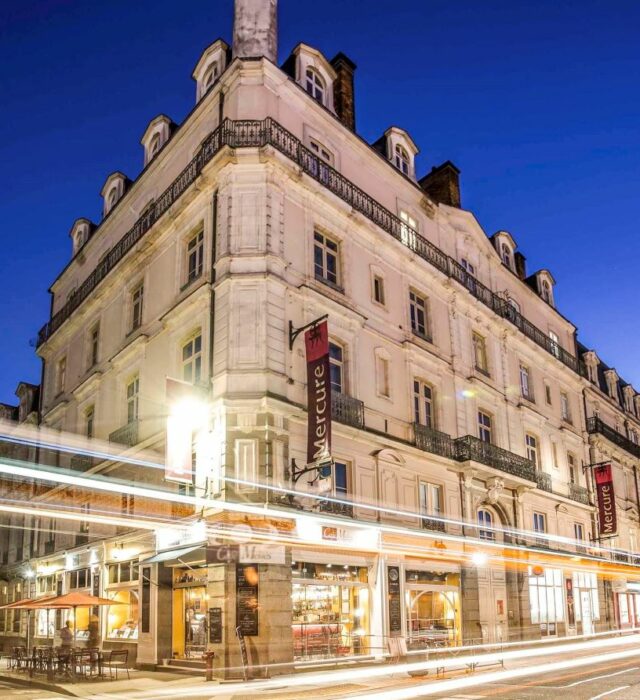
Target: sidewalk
(328, 684)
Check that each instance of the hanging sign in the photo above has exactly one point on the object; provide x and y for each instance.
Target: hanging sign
(394, 600)
(316, 341)
(607, 517)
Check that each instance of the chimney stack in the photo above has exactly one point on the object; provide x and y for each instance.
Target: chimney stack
(255, 29)
(442, 184)
(343, 92)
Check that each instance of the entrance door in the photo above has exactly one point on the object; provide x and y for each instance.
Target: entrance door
(587, 617)
(195, 620)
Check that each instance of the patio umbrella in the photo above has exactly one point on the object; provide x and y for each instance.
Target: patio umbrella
(28, 604)
(73, 601)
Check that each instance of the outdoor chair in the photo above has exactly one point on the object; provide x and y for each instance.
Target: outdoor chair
(116, 659)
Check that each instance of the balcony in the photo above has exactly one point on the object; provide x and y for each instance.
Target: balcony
(433, 441)
(597, 426)
(471, 448)
(431, 524)
(544, 482)
(579, 493)
(347, 410)
(127, 435)
(345, 509)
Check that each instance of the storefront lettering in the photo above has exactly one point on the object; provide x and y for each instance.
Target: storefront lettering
(606, 500)
(319, 429)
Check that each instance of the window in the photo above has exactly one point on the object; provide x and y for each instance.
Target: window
(431, 500)
(407, 227)
(246, 464)
(195, 256)
(80, 578)
(565, 407)
(526, 388)
(382, 375)
(505, 255)
(531, 442)
(133, 395)
(539, 522)
(378, 289)
(555, 343)
(326, 259)
(113, 198)
(341, 479)
(192, 360)
(546, 292)
(154, 146)
(480, 353)
(123, 572)
(325, 158)
(84, 523)
(61, 375)
(401, 159)
(547, 394)
(586, 582)
(571, 464)
(210, 77)
(122, 617)
(321, 151)
(137, 300)
(578, 532)
(89, 417)
(485, 523)
(423, 413)
(546, 597)
(554, 455)
(418, 315)
(94, 345)
(336, 368)
(485, 428)
(514, 305)
(468, 266)
(315, 85)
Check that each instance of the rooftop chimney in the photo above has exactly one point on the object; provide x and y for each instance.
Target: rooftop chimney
(442, 184)
(255, 29)
(343, 93)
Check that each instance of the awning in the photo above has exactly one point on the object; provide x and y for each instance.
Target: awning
(176, 557)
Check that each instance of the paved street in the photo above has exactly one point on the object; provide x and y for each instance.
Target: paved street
(9, 690)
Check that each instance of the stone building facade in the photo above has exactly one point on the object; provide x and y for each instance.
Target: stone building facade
(459, 389)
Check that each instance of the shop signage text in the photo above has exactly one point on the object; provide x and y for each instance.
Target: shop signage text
(395, 600)
(247, 600)
(316, 341)
(607, 516)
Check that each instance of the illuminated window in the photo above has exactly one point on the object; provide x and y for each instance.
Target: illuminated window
(326, 259)
(586, 582)
(423, 412)
(122, 616)
(315, 85)
(546, 597)
(133, 395)
(408, 227)
(554, 343)
(401, 159)
(127, 506)
(195, 256)
(192, 360)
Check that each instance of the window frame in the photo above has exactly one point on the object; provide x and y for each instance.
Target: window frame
(532, 447)
(133, 398)
(61, 375)
(424, 406)
(94, 345)
(137, 306)
(480, 353)
(194, 251)
(526, 384)
(377, 289)
(340, 364)
(484, 428)
(565, 408)
(89, 421)
(419, 306)
(315, 85)
(484, 520)
(402, 159)
(328, 248)
(194, 361)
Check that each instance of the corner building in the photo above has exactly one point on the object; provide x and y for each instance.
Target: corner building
(457, 385)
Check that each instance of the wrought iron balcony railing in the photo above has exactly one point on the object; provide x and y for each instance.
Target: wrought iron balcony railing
(267, 132)
(596, 426)
(126, 435)
(543, 481)
(579, 493)
(345, 509)
(472, 448)
(433, 441)
(431, 524)
(345, 409)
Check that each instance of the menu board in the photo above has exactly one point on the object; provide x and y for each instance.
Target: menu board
(247, 599)
(215, 625)
(145, 617)
(394, 600)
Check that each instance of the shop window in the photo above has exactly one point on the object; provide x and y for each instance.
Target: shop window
(80, 578)
(432, 608)
(45, 623)
(122, 616)
(586, 582)
(546, 597)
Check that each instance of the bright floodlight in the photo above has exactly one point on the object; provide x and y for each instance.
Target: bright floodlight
(479, 558)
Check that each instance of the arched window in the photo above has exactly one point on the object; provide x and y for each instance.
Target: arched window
(210, 78)
(315, 85)
(546, 291)
(401, 159)
(154, 146)
(79, 239)
(485, 520)
(505, 254)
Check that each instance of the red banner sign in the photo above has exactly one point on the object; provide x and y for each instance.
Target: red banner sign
(606, 500)
(316, 342)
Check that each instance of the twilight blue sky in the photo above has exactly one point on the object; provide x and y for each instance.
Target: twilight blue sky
(536, 102)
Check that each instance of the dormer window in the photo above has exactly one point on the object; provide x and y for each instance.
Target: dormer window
(210, 67)
(154, 146)
(80, 233)
(401, 159)
(113, 198)
(210, 77)
(546, 291)
(156, 136)
(79, 240)
(505, 255)
(314, 85)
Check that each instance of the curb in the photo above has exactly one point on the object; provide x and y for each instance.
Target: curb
(39, 685)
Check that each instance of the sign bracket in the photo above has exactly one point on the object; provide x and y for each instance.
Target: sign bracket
(295, 332)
